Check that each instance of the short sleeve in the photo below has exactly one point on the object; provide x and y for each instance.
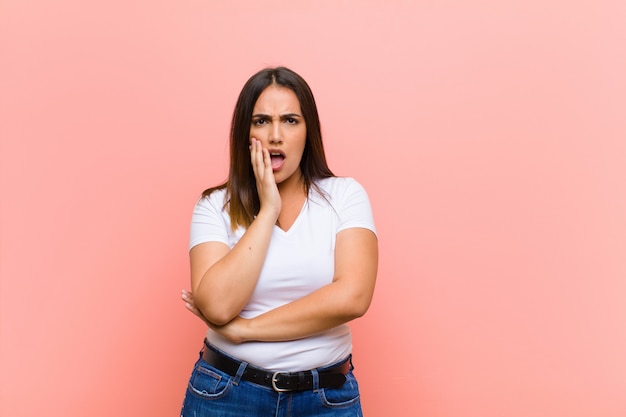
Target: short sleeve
(354, 207)
(209, 221)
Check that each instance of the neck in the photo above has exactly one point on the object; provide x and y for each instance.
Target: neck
(292, 186)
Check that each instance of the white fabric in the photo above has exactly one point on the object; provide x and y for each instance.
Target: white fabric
(298, 262)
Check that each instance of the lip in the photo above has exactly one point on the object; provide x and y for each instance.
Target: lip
(276, 151)
(278, 163)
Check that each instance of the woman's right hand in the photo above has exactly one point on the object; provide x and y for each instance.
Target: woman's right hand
(223, 278)
(265, 181)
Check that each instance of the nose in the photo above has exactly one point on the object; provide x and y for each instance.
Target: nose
(275, 135)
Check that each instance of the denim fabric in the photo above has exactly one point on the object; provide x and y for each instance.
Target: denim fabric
(213, 393)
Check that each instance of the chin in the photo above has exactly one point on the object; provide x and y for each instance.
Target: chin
(280, 177)
(284, 176)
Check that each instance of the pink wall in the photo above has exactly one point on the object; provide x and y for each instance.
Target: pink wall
(491, 138)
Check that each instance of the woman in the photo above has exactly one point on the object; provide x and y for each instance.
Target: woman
(283, 255)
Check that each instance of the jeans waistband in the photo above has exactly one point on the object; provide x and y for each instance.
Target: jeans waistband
(333, 377)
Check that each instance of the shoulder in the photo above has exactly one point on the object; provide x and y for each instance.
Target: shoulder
(349, 202)
(210, 221)
(215, 205)
(336, 187)
(216, 200)
(340, 192)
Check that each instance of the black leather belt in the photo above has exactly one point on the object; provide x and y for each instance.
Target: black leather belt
(279, 381)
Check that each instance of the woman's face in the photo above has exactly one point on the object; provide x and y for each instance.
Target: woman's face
(278, 123)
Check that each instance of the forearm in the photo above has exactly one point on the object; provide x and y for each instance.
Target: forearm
(346, 298)
(328, 307)
(225, 287)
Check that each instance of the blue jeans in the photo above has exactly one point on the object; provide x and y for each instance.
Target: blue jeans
(213, 393)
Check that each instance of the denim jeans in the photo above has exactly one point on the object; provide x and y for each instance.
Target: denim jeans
(213, 393)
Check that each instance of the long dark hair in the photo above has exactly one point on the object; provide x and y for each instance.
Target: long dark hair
(243, 199)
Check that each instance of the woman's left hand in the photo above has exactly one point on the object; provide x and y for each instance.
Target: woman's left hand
(233, 330)
(187, 297)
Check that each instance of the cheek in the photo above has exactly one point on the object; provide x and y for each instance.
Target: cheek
(303, 141)
(302, 137)
(258, 132)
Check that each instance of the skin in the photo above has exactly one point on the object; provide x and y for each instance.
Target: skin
(223, 279)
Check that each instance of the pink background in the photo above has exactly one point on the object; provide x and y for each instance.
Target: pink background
(491, 138)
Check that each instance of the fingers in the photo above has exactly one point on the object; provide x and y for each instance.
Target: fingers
(254, 155)
(259, 158)
(261, 162)
(187, 297)
(264, 175)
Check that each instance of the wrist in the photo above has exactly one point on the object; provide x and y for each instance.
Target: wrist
(268, 215)
(246, 331)
(240, 332)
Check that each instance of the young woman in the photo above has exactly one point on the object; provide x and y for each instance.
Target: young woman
(283, 256)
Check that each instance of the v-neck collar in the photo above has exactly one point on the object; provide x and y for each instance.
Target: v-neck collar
(296, 221)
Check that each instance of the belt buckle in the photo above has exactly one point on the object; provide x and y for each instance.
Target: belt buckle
(275, 380)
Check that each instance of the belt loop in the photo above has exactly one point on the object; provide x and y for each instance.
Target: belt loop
(242, 368)
(316, 380)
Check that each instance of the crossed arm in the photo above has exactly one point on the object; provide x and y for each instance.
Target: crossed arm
(223, 279)
(346, 298)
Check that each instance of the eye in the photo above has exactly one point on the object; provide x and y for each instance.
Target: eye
(259, 122)
(291, 121)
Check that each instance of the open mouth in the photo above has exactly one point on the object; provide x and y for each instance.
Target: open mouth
(278, 159)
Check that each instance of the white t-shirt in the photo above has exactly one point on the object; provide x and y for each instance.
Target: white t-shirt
(298, 262)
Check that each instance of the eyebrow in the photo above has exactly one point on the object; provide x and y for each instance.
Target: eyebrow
(283, 116)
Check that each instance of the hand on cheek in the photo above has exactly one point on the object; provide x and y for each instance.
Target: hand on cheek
(264, 175)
